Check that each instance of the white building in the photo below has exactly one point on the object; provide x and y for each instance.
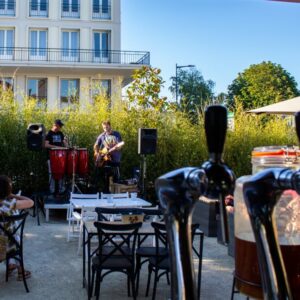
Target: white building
(60, 50)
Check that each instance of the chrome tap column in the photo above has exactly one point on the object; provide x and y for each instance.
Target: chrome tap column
(180, 189)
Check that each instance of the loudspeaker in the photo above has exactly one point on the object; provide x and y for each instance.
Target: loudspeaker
(35, 137)
(147, 141)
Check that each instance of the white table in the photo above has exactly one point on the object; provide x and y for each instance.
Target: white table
(120, 202)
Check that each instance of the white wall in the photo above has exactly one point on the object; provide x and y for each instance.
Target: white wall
(22, 23)
(19, 88)
(53, 93)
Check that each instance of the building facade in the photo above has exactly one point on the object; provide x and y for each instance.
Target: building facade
(64, 51)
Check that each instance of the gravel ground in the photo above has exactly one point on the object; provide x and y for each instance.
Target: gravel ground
(57, 269)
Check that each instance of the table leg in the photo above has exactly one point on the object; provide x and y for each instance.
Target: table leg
(83, 257)
(37, 210)
(47, 214)
(200, 264)
(89, 266)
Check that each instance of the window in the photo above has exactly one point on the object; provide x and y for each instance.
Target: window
(70, 45)
(101, 9)
(6, 43)
(38, 44)
(38, 8)
(101, 46)
(6, 83)
(7, 7)
(101, 87)
(37, 88)
(69, 92)
(70, 9)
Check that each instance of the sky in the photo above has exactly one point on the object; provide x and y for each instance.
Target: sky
(220, 37)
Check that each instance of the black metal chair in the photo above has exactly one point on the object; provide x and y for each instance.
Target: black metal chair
(145, 252)
(161, 260)
(116, 258)
(234, 290)
(104, 211)
(16, 251)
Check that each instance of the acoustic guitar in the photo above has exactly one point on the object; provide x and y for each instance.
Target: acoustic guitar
(104, 155)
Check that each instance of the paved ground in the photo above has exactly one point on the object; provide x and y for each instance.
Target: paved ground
(57, 269)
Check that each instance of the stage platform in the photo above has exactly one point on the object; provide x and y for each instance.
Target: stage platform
(54, 202)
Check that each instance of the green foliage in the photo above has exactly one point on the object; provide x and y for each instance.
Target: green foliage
(262, 84)
(144, 90)
(194, 92)
(180, 142)
(253, 131)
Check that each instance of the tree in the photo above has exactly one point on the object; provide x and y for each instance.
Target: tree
(193, 91)
(262, 84)
(145, 88)
(221, 98)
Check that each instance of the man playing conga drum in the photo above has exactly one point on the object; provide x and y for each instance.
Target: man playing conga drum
(55, 139)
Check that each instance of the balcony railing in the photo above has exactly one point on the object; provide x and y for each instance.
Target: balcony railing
(70, 10)
(7, 7)
(102, 12)
(71, 56)
(38, 9)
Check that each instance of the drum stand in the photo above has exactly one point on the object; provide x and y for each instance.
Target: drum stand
(73, 184)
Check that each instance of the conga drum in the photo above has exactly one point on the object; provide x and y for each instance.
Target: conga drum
(83, 162)
(72, 161)
(58, 162)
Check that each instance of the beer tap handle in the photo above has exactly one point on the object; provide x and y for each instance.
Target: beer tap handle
(220, 177)
(215, 130)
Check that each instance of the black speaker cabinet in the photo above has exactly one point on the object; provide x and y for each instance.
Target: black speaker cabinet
(147, 141)
(35, 137)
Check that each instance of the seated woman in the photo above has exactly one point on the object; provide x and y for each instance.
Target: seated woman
(9, 204)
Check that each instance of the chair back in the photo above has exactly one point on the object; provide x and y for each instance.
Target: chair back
(195, 227)
(104, 212)
(18, 228)
(84, 196)
(89, 214)
(151, 211)
(161, 240)
(121, 239)
(115, 196)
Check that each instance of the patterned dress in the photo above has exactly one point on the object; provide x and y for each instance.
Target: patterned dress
(8, 208)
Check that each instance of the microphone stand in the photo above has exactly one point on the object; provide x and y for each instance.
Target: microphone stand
(180, 189)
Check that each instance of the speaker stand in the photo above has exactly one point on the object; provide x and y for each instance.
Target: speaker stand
(143, 178)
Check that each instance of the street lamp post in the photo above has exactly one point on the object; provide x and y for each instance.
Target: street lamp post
(176, 78)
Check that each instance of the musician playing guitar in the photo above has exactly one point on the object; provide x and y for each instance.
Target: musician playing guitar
(107, 153)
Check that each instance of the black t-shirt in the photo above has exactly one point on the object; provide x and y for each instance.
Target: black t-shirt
(55, 138)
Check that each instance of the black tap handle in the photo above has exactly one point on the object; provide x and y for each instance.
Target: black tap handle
(215, 130)
(297, 121)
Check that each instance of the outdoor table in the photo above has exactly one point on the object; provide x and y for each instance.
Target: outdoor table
(89, 231)
(109, 203)
(118, 202)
